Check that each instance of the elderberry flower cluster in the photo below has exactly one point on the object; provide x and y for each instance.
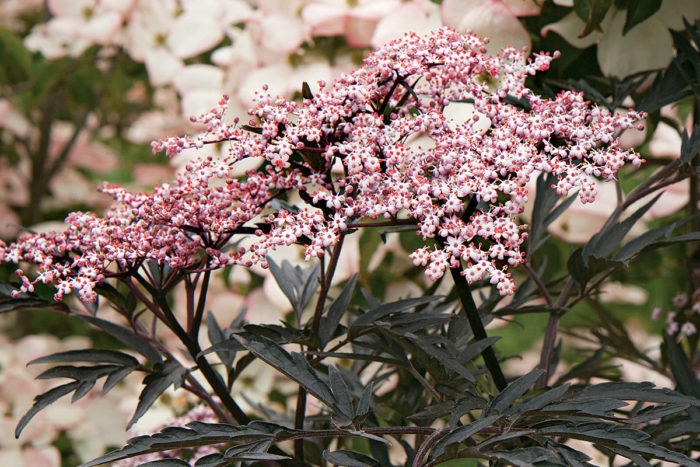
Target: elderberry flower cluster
(347, 152)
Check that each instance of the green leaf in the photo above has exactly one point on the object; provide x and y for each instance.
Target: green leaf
(125, 336)
(166, 374)
(88, 355)
(13, 53)
(349, 458)
(593, 12)
(42, 401)
(330, 321)
(513, 392)
(638, 11)
(306, 91)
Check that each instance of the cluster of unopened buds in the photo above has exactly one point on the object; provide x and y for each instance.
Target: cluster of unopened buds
(348, 152)
(683, 319)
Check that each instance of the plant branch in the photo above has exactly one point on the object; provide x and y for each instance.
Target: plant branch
(470, 308)
(427, 445)
(538, 282)
(213, 378)
(199, 313)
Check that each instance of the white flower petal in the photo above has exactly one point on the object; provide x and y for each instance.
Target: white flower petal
(192, 34)
(409, 17)
(325, 19)
(647, 46)
(275, 76)
(281, 33)
(200, 101)
(162, 66)
(495, 21)
(524, 7)
(672, 12)
(198, 76)
(569, 27)
(69, 7)
(452, 11)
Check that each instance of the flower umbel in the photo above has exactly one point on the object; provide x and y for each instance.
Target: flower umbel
(347, 152)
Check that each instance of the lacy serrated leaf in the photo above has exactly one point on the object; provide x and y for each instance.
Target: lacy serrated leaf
(603, 243)
(337, 309)
(503, 437)
(539, 401)
(513, 392)
(464, 405)
(349, 458)
(216, 336)
(114, 377)
(255, 450)
(42, 401)
(293, 365)
(602, 407)
(88, 355)
(572, 457)
(23, 300)
(645, 392)
(169, 373)
(525, 457)
(341, 394)
(461, 434)
(172, 462)
(655, 412)
(449, 362)
(193, 435)
(363, 405)
(125, 336)
(386, 309)
(690, 144)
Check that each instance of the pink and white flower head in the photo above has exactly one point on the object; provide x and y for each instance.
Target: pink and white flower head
(463, 193)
